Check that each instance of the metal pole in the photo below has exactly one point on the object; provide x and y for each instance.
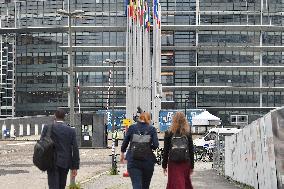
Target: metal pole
(113, 128)
(185, 108)
(71, 73)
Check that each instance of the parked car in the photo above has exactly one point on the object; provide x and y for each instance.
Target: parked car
(209, 138)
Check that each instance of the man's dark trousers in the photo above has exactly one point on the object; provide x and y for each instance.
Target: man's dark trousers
(57, 178)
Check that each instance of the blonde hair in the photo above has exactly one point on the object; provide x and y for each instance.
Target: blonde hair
(145, 117)
(179, 124)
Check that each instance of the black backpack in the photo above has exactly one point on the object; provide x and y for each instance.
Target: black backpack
(140, 146)
(179, 150)
(44, 149)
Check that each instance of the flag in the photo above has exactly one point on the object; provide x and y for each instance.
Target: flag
(140, 69)
(142, 14)
(131, 8)
(78, 92)
(145, 11)
(108, 90)
(128, 12)
(149, 19)
(126, 2)
(155, 9)
(156, 12)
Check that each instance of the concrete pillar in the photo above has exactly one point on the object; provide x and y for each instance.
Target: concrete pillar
(42, 126)
(3, 128)
(36, 129)
(21, 131)
(28, 129)
(12, 131)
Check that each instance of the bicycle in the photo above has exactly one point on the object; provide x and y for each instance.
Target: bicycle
(159, 152)
(204, 154)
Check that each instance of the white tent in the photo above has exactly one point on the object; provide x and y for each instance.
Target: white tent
(205, 118)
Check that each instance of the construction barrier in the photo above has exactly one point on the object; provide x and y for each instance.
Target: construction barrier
(24, 126)
(90, 128)
(255, 156)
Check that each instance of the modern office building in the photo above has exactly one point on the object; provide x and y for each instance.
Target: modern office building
(224, 56)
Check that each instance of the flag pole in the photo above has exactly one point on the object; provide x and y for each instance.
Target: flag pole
(78, 92)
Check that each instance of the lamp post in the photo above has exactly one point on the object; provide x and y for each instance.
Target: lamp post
(113, 126)
(70, 14)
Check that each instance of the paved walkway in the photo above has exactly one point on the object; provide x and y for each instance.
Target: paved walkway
(203, 178)
(17, 171)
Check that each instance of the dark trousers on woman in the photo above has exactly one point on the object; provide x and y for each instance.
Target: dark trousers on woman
(179, 175)
(141, 173)
(57, 178)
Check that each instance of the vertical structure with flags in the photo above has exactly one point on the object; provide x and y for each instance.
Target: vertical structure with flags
(108, 89)
(78, 93)
(156, 59)
(143, 66)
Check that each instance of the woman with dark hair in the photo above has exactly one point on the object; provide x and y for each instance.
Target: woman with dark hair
(178, 169)
(140, 169)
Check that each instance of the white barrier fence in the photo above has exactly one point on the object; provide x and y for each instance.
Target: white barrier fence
(255, 156)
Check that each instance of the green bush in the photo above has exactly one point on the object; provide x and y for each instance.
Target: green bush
(113, 171)
(74, 186)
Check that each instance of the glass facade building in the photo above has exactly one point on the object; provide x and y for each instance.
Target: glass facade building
(224, 56)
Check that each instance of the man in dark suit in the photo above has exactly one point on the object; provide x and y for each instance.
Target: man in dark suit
(66, 152)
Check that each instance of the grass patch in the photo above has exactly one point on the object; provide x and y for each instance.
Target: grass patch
(113, 171)
(239, 184)
(244, 186)
(74, 186)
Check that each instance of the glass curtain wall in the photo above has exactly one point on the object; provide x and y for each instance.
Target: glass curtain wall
(222, 55)
(41, 82)
(228, 68)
